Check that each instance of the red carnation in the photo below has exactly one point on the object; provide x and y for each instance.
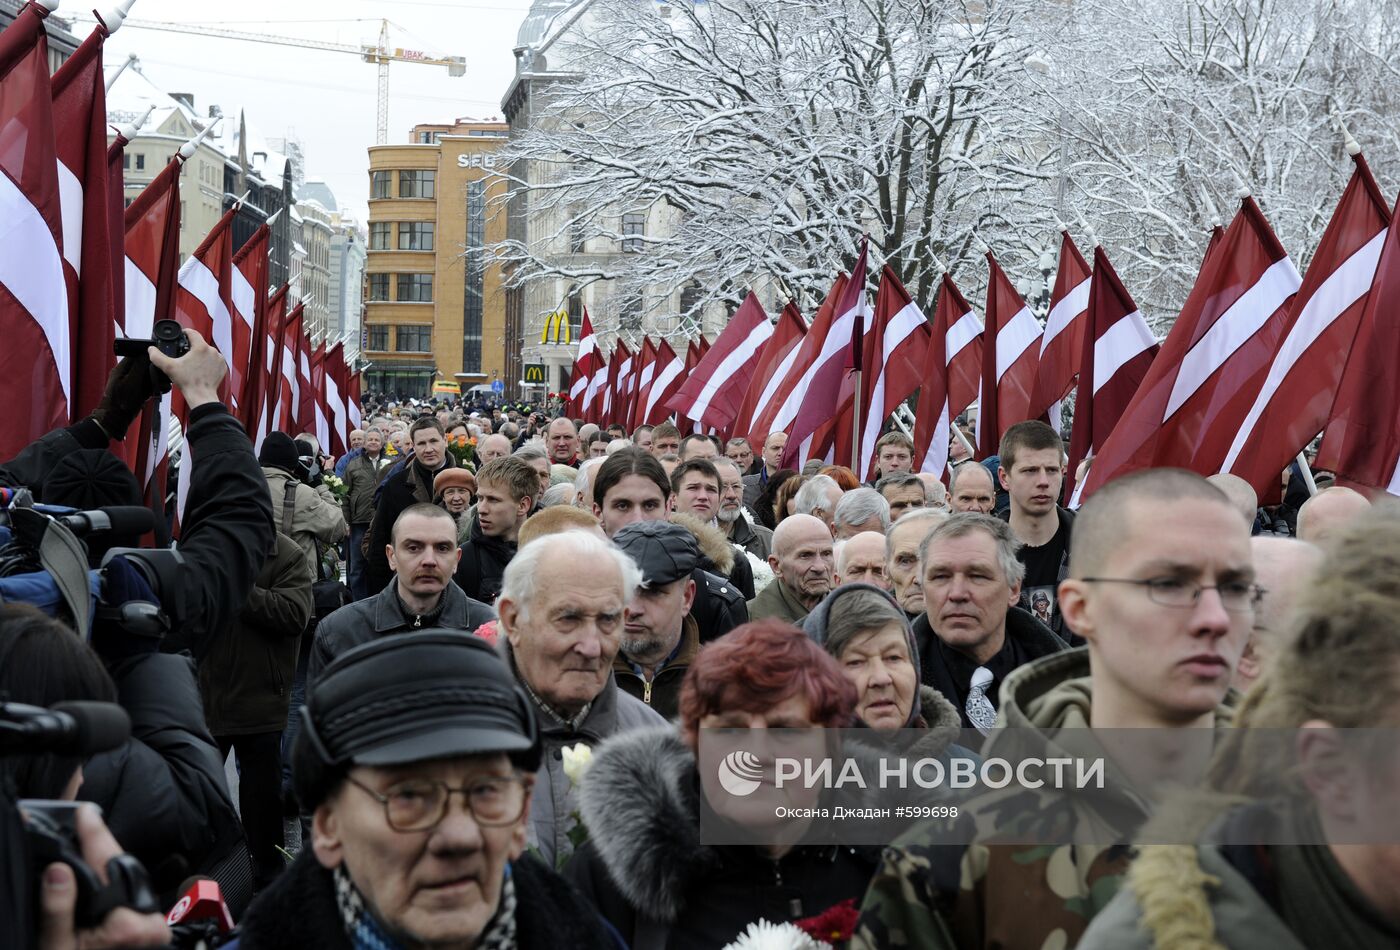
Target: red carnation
(836, 924)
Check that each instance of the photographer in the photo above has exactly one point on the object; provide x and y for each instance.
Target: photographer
(164, 791)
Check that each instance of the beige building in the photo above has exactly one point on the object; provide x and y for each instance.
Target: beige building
(434, 303)
(315, 285)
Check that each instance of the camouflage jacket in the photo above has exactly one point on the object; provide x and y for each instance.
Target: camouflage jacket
(940, 896)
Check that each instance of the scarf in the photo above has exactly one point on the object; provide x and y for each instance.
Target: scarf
(366, 933)
(1319, 902)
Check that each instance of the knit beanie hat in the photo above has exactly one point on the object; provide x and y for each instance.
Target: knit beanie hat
(91, 478)
(278, 451)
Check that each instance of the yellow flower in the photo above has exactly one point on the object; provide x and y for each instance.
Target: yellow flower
(577, 758)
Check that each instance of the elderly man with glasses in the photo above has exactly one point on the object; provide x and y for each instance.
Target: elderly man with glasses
(416, 759)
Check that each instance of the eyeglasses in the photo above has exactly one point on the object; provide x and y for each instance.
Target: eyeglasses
(1235, 596)
(419, 804)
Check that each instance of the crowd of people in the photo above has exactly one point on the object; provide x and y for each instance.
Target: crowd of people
(463, 673)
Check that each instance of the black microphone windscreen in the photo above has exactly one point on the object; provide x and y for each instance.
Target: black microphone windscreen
(130, 520)
(101, 727)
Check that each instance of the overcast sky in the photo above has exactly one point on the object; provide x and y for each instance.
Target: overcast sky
(327, 99)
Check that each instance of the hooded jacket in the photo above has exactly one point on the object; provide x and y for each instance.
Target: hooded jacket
(555, 799)
(483, 565)
(932, 895)
(316, 515)
(646, 870)
(719, 606)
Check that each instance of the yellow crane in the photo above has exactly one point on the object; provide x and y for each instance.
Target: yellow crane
(381, 55)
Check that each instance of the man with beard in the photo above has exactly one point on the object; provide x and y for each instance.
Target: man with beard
(802, 560)
(733, 520)
(659, 639)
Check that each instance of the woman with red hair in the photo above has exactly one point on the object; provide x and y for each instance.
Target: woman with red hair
(644, 865)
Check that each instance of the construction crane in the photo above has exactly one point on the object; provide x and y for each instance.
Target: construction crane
(381, 55)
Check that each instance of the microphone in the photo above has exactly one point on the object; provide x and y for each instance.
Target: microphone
(122, 519)
(77, 729)
(201, 901)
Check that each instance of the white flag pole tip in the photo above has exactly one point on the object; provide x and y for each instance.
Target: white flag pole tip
(189, 147)
(1353, 147)
(48, 5)
(129, 130)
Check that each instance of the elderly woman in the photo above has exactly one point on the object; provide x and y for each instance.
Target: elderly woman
(642, 798)
(873, 643)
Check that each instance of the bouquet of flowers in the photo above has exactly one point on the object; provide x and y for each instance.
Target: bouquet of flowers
(337, 486)
(463, 449)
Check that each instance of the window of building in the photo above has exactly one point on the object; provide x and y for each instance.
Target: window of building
(377, 337)
(575, 307)
(578, 239)
(379, 184)
(690, 298)
(417, 184)
(126, 161)
(379, 235)
(634, 225)
(140, 162)
(378, 286)
(414, 339)
(415, 288)
(429, 138)
(415, 236)
(474, 298)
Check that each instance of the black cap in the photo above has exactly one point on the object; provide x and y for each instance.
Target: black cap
(408, 698)
(278, 451)
(664, 551)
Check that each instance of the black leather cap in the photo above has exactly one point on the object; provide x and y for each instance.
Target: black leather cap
(412, 697)
(664, 551)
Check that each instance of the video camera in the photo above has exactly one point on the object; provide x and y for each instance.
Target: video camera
(44, 561)
(166, 336)
(50, 831)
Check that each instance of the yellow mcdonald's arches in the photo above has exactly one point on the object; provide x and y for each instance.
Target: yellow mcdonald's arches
(534, 372)
(556, 328)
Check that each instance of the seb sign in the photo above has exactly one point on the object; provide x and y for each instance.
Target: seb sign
(476, 160)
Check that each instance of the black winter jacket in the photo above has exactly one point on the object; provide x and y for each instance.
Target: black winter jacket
(409, 485)
(299, 912)
(483, 564)
(164, 794)
(246, 675)
(381, 615)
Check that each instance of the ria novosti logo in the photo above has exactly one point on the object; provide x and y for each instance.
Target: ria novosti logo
(739, 772)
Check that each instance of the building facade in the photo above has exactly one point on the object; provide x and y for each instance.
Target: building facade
(348, 257)
(434, 301)
(316, 233)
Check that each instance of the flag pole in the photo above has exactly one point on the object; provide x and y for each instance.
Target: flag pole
(857, 358)
(1307, 474)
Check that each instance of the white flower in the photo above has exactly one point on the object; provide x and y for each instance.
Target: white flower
(577, 758)
(761, 935)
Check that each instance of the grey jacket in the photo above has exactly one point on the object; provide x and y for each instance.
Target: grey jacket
(316, 515)
(555, 798)
(753, 538)
(380, 616)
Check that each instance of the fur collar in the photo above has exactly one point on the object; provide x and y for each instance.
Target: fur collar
(714, 546)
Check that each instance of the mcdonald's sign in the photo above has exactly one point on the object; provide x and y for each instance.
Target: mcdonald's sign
(534, 372)
(556, 328)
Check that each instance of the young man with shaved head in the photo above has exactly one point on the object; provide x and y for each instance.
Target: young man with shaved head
(1166, 606)
(1327, 512)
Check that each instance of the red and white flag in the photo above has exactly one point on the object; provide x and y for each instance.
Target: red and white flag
(895, 350)
(35, 359)
(793, 384)
(1293, 404)
(80, 140)
(288, 394)
(338, 410)
(276, 393)
(1361, 442)
(252, 349)
(320, 410)
(1118, 349)
(668, 378)
(1010, 358)
(204, 295)
(713, 393)
(353, 404)
(306, 386)
(586, 364)
(619, 375)
(152, 245)
(1199, 390)
(646, 372)
(774, 363)
(952, 372)
(1063, 340)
